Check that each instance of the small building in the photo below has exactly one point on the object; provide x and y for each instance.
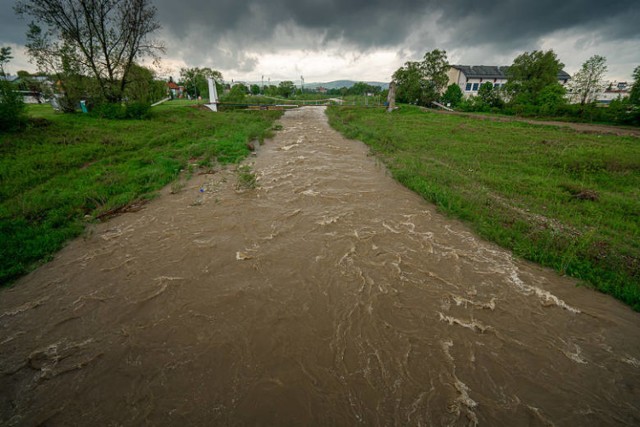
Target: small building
(34, 89)
(471, 77)
(9, 78)
(175, 90)
(614, 90)
(321, 89)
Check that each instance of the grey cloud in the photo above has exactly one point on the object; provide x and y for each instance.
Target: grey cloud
(222, 30)
(383, 23)
(512, 23)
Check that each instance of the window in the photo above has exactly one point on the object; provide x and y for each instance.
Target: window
(475, 87)
(468, 87)
(496, 85)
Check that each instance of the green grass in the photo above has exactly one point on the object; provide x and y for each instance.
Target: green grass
(65, 170)
(566, 200)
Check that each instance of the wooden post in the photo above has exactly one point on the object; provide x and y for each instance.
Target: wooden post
(391, 98)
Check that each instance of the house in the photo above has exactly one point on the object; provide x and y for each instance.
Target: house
(321, 89)
(471, 77)
(34, 89)
(614, 90)
(175, 90)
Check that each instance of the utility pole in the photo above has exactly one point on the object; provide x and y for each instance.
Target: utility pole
(302, 84)
(262, 87)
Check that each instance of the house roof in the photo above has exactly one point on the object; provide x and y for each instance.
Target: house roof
(172, 85)
(494, 72)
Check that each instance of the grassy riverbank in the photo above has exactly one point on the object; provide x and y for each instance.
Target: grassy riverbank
(566, 200)
(65, 170)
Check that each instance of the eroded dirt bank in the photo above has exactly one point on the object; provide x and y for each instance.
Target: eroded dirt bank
(329, 296)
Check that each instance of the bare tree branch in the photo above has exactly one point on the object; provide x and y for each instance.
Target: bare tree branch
(102, 37)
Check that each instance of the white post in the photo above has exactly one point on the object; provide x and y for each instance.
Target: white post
(213, 96)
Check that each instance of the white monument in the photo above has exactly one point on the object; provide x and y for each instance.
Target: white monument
(213, 96)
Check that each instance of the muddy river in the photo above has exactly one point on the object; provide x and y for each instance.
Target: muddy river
(329, 295)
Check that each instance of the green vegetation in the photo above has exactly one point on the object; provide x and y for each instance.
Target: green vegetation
(11, 105)
(422, 82)
(533, 80)
(90, 48)
(246, 178)
(64, 170)
(453, 95)
(195, 81)
(566, 200)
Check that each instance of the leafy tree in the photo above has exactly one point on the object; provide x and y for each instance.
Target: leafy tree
(422, 82)
(142, 85)
(97, 38)
(634, 96)
(434, 68)
(286, 89)
(271, 90)
(236, 94)
(362, 88)
(453, 95)
(5, 57)
(551, 99)
(529, 74)
(489, 95)
(589, 81)
(196, 81)
(409, 83)
(11, 104)
(255, 90)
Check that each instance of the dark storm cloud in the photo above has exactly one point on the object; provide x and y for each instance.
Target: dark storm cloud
(512, 23)
(12, 29)
(365, 23)
(386, 23)
(221, 31)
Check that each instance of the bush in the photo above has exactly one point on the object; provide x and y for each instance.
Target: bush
(133, 110)
(453, 95)
(137, 110)
(109, 111)
(11, 107)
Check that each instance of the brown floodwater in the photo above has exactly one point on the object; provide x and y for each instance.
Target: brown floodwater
(329, 295)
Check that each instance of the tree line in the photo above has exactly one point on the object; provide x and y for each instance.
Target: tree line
(93, 49)
(532, 89)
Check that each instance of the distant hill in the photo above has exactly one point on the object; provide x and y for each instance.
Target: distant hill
(337, 84)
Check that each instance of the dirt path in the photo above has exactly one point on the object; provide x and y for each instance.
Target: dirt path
(330, 295)
(579, 127)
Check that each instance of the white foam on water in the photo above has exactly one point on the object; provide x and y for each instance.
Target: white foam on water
(474, 325)
(546, 297)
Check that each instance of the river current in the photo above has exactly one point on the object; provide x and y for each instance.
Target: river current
(328, 295)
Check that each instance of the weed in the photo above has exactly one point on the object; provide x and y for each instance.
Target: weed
(177, 186)
(246, 178)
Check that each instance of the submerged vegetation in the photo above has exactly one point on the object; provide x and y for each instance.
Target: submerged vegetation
(64, 170)
(566, 200)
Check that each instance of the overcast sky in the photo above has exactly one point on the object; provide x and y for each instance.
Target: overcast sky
(326, 40)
